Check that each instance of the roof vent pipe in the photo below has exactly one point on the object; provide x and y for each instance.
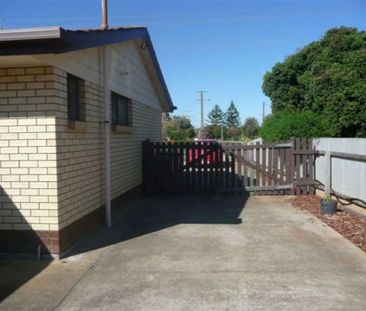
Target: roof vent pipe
(104, 15)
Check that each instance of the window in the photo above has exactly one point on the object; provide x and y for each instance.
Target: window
(74, 99)
(121, 110)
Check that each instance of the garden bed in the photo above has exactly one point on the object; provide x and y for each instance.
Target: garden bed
(350, 226)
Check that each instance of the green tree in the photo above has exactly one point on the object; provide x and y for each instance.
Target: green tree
(214, 132)
(250, 128)
(178, 128)
(233, 133)
(286, 124)
(328, 77)
(216, 116)
(232, 117)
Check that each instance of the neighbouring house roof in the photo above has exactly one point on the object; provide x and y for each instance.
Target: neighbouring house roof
(59, 40)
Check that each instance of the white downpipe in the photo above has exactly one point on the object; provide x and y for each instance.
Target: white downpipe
(107, 139)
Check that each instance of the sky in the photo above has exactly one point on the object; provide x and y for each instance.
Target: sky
(223, 47)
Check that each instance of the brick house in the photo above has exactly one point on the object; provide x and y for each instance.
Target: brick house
(74, 108)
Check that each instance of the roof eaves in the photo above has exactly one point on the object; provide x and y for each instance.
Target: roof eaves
(88, 38)
(58, 40)
(159, 72)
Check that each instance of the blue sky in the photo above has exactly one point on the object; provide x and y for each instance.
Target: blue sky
(223, 47)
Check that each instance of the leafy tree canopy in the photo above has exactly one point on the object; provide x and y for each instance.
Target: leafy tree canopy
(286, 124)
(216, 116)
(178, 128)
(214, 132)
(233, 133)
(328, 77)
(250, 128)
(232, 117)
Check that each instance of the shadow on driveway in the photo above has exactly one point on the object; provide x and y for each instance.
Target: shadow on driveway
(13, 274)
(154, 213)
(140, 217)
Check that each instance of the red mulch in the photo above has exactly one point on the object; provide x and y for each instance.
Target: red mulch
(350, 226)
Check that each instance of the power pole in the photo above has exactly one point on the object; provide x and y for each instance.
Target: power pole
(202, 101)
(263, 111)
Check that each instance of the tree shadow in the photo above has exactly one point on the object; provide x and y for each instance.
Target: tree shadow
(17, 267)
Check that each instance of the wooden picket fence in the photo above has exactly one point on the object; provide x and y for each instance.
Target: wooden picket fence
(212, 167)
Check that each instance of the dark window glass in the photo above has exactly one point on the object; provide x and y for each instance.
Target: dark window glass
(114, 108)
(120, 110)
(73, 97)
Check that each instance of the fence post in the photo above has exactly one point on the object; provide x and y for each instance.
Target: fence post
(328, 170)
(292, 166)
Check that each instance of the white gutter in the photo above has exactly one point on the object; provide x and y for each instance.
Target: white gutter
(30, 34)
(107, 138)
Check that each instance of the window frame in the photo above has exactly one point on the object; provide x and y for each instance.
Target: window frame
(75, 86)
(116, 101)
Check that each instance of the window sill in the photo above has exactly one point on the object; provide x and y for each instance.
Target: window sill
(122, 129)
(77, 126)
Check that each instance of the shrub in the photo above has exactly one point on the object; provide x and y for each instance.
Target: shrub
(286, 124)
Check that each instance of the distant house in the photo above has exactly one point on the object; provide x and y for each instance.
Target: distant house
(57, 142)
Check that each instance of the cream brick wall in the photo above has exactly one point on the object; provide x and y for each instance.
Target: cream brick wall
(52, 175)
(126, 155)
(80, 154)
(28, 178)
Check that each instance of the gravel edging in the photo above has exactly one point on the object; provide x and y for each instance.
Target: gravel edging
(348, 225)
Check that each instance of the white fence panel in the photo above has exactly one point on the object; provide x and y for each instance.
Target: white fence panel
(348, 177)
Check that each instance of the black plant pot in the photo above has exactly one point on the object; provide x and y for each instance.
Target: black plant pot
(328, 206)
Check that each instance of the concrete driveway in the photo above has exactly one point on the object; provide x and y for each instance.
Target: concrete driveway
(205, 253)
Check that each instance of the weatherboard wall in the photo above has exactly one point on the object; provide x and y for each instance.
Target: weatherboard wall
(128, 74)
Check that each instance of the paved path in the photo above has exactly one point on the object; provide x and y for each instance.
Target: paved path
(210, 253)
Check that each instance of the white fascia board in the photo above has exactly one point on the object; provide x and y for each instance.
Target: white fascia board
(30, 34)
